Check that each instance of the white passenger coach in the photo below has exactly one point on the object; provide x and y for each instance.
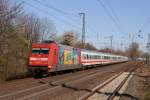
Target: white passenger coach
(89, 57)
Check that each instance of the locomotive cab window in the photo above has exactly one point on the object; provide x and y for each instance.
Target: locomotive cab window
(44, 51)
(35, 50)
(40, 51)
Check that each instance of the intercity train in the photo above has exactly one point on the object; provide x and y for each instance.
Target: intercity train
(52, 57)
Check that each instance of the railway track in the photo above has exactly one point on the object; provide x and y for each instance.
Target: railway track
(49, 85)
(73, 82)
(30, 82)
(111, 89)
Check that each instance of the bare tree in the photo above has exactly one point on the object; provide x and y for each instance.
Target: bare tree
(119, 52)
(133, 51)
(32, 26)
(69, 38)
(16, 28)
(86, 46)
(48, 30)
(36, 29)
(8, 14)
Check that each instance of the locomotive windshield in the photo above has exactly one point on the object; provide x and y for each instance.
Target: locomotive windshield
(40, 50)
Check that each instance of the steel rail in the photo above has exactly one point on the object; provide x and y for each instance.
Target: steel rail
(111, 97)
(85, 97)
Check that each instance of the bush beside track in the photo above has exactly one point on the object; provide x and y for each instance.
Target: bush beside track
(13, 64)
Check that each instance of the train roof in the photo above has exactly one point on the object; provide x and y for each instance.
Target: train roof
(70, 47)
(93, 51)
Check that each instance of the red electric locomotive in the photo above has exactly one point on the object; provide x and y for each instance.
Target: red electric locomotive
(49, 57)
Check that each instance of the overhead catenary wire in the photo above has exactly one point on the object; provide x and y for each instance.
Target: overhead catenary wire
(48, 6)
(110, 15)
(143, 27)
(63, 12)
(112, 11)
(55, 9)
(71, 16)
(51, 15)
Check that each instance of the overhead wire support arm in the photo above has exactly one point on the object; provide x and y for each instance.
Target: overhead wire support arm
(112, 15)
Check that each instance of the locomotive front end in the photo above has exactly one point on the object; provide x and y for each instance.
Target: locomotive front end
(42, 58)
(38, 59)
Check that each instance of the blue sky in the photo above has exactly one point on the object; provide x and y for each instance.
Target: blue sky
(133, 15)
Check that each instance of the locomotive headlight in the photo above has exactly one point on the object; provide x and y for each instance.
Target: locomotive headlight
(42, 59)
(33, 58)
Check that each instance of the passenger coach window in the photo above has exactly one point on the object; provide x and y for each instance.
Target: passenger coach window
(83, 56)
(99, 57)
(87, 57)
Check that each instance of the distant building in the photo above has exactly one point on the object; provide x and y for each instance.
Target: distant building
(148, 50)
(148, 44)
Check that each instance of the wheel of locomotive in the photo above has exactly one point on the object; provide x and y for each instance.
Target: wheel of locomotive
(44, 74)
(40, 74)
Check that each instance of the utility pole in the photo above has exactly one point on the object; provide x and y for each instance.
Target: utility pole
(83, 28)
(132, 38)
(121, 44)
(111, 39)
